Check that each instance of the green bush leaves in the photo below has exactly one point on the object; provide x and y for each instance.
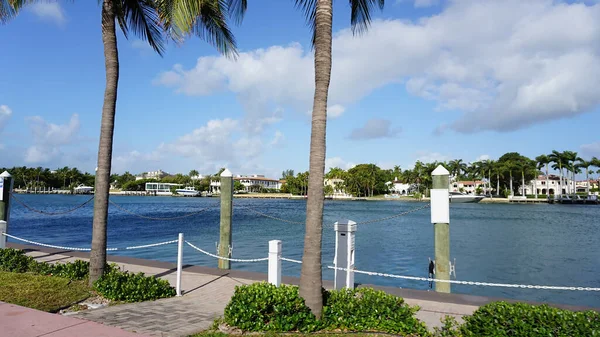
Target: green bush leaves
(129, 287)
(264, 307)
(500, 319)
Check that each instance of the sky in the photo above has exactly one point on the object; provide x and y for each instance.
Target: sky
(430, 80)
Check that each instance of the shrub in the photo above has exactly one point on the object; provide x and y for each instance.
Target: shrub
(129, 287)
(265, 307)
(366, 309)
(450, 328)
(520, 319)
(14, 260)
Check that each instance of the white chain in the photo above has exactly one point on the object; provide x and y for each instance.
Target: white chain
(86, 249)
(290, 260)
(470, 283)
(152, 245)
(224, 258)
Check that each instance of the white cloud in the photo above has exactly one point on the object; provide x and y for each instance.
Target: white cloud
(483, 157)
(591, 149)
(141, 45)
(49, 138)
(338, 162)
(505, 64)
(429, 157)
(49, 11)
(278, 139)
(425, 3)
(218, 143)
(375, 128)
(5, 114)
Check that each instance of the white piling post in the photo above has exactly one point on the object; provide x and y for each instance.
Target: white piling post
(179, 263)
(344, 254)
(3, 227)
(275, 262)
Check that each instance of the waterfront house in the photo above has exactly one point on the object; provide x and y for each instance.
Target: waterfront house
(399, 187)
(338, 188)
(152, 175)
(552, 188)
(468, 186)
(251, 183)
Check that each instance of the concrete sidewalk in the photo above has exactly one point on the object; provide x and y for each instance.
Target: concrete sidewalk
(17, 321)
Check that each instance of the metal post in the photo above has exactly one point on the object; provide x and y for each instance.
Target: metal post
(226, 213)
(179, 262)
(275, 262)
(344, 254)
(6, 187)
(440, 218)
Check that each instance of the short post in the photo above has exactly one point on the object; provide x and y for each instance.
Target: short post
(226, 214)
(179, 262)
(440, 218)
(6, 186)
(275, 262)
(344, 254)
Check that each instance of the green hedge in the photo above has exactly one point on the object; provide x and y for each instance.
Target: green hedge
(519, 319)
(264, 307)
(114, 284)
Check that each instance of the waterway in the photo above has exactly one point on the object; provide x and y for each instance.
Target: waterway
(501, 243)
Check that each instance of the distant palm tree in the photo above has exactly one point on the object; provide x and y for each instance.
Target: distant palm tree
(585, 165)
(571, 159)
(509, 167)
(558, 159)
(543, 161)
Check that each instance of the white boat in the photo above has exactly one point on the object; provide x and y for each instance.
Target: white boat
(188, 191)
(457, 197)
(82, 189)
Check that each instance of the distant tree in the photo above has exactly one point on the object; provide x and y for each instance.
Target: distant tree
(238, 186)
(287, 173)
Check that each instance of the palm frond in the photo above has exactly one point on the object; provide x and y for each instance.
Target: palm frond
(237, 9)
(309, 7)
(360, 16)
(141, 16)
(10, 8)
(206, 19)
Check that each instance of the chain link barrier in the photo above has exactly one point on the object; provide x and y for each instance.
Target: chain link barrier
(359, 223)
(159, 218)
(49, 213)
(86, 249)
(270, 216)
(469, 283)
(224, 258)
(392, 216)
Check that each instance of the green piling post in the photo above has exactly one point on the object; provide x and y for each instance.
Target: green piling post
(226, 214)
(440, 218)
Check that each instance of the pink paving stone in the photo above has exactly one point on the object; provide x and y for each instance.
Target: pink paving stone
(17, 321)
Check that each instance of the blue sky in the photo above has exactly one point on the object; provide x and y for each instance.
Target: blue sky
(432, 80)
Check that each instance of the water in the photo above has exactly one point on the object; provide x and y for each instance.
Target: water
(502, 243)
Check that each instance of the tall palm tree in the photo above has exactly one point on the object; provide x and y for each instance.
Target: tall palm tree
(543, 161)
(148, 19)
(510, 167)
(498, 170)
(570, 159)
(558, 159)
(319, 15)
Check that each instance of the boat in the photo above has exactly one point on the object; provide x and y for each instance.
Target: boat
(188, 191)
(82, 189)
(457, 197)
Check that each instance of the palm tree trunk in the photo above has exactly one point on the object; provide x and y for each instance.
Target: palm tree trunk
(512, 193)
(111, 60)
(547, 186)
(587, 181)
(311, 280)
(523, 183)
(497, 184)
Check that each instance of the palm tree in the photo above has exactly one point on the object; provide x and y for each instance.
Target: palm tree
(557, 158)
(543, 161)
(498, 170)
(319, 15)
(585, 165)
(509, 166)
(570, 159)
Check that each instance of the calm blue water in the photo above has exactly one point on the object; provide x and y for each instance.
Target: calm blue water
(504, 243)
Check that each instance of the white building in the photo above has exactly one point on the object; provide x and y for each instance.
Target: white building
(469, 187)
(152, 175)
(553, 187)
(398, 187)
(250, 182)
(338, 188)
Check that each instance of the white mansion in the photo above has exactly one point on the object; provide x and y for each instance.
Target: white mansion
(249, 182)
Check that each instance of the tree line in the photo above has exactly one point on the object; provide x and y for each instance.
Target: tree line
(503, 176)
(40, 178)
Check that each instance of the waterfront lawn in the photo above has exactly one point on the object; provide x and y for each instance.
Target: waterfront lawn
(46, 293)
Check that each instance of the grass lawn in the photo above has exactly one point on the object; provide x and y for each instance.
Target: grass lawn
(46, 293)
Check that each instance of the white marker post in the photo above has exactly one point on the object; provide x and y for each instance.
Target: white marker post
(275, 262)
(344, 254)
(440, 218)
(6, 186)
(179, 262)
